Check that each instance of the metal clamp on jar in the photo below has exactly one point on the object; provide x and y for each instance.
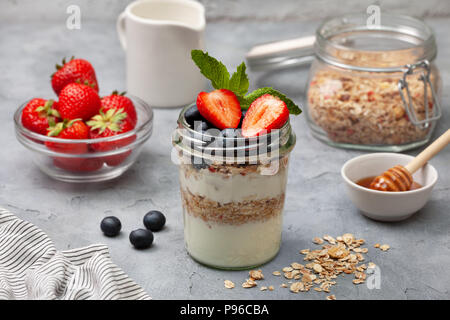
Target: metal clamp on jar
(370, 87)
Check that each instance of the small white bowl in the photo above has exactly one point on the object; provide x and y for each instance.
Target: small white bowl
(381, 205)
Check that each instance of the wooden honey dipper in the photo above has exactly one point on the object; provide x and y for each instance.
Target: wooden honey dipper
(399, 178)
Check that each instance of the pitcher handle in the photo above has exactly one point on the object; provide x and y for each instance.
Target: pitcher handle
(120, 26)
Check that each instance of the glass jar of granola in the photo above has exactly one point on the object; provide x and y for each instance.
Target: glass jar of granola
(374, 87)
(232, 191)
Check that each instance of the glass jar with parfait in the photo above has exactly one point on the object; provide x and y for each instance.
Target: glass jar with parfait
(233, 152)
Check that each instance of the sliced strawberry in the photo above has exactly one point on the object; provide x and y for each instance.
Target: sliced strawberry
(220, 107)
(265, 113)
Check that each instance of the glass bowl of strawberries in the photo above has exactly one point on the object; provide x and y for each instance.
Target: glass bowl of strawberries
(99, 149)
(82, 137)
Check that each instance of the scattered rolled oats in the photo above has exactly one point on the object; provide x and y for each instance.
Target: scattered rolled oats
(337, 252)
(296, 287)
(307, 278)
(339, 256)
(228, 284)
(318, 240)
(348, 238)
(330, 239)
(317, 268)
(249, 284)
(256, 274)
(296, 265)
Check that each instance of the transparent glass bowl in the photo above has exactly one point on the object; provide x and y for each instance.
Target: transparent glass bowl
(91, 166)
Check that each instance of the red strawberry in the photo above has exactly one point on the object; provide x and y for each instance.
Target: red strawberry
(73, 129)
(76, 70)
(220, 107)
(78, 164)
(110, 124)
(119, 101)
(264, 114)
(78, 101)
(39, 114)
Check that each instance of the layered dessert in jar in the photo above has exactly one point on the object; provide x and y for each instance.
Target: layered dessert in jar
(233, 152)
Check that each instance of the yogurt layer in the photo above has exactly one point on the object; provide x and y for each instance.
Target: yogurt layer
(231, 246)
(234, 188)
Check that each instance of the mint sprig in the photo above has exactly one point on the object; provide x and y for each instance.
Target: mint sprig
(249, 98)
(212, 69)
(239, 81)
(216, 71)
(219, 76)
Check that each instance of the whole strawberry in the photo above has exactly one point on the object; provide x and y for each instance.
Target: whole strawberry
(110, 124)
(118, 101)
(72, 129)
(78, 101)
(76, 70)
(40, 114)
(69, 129)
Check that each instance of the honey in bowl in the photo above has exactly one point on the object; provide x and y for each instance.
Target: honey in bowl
(365, 182)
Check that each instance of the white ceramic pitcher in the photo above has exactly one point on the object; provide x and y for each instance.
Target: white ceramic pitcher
(158, 36)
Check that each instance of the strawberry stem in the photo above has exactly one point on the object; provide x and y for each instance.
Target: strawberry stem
(111, 120)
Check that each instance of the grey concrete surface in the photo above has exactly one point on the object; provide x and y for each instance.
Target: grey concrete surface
(415, 267)
(224, 10)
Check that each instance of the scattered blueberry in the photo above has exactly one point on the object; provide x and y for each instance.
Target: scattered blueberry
(111, 226)
(141, 238)
(154, 220)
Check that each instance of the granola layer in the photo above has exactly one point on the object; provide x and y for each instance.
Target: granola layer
(233, 213)
(365, 109)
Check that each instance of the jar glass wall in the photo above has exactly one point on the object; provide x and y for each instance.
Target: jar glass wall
(232, 192)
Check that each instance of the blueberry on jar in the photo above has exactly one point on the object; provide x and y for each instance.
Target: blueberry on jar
(242, 118)
(192, 115)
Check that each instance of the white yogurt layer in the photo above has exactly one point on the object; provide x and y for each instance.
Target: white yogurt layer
(232, 246)
(234, 188)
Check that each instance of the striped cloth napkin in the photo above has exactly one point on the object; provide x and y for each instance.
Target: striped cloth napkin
(31, 268)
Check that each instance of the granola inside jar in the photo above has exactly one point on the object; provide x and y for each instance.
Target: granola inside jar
(232, 193)
(374, 87)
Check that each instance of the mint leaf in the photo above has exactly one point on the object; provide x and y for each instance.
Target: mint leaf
(212, 69)
(239, 81)
(248, 99)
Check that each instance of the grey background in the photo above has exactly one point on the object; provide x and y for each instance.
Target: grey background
(33, 38)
